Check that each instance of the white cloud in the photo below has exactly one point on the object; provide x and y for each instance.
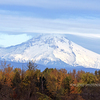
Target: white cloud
(77, 26)
(96, 36)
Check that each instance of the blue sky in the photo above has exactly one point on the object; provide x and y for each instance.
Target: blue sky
(20, 20)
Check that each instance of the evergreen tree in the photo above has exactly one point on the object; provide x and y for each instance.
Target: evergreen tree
(16, 79)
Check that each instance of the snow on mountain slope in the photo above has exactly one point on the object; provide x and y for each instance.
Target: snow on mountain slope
(51, 48)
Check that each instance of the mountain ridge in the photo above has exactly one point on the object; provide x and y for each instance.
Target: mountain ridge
(51, 48)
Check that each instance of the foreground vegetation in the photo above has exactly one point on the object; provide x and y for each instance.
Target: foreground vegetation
(51, 84)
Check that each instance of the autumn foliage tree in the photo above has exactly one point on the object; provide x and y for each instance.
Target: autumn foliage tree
(51, 84)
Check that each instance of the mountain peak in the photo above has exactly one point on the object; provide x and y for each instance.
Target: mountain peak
(49, 38)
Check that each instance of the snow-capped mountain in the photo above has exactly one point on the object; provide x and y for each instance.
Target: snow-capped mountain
(51, 49)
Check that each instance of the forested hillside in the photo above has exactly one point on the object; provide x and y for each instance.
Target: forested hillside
(51, 84)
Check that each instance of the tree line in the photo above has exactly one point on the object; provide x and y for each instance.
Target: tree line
(51, 84)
